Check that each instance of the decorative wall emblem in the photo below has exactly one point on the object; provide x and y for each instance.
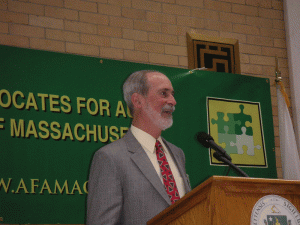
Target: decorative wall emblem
(215, 54)
(237, 127)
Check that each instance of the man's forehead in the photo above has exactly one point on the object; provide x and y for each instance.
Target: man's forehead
(156, 77)
(160, 83)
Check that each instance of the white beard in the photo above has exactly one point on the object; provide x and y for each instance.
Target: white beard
(156, 117)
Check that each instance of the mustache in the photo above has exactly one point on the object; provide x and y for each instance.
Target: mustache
(168, 108)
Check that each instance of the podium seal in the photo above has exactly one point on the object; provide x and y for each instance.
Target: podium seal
(274, 210)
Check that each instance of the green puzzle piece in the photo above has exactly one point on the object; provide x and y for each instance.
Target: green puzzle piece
(220, 122)
(227, 139)
(243, 118)
(231, 123)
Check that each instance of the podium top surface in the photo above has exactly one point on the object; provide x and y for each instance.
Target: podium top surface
(251, 180)
(247, 184)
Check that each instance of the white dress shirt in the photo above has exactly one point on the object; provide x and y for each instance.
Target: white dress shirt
(148, 144)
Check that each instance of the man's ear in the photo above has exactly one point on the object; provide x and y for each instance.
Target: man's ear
(137, 100)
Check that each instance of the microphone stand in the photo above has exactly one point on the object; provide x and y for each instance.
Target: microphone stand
(220, 157)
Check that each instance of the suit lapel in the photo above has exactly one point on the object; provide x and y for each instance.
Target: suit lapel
(143, 162)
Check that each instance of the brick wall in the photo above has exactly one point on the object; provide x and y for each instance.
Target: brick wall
(152, 31)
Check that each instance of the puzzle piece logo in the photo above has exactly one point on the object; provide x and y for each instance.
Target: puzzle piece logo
(236, 126)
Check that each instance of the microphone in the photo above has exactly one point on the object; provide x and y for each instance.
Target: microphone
(208, 142)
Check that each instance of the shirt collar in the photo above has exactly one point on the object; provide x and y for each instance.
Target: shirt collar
(145, 139)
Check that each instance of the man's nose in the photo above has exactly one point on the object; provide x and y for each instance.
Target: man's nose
(172, 100)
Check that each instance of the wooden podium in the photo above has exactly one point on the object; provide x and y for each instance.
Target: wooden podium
(226, 200)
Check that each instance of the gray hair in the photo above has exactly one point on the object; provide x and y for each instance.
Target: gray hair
(136, 83)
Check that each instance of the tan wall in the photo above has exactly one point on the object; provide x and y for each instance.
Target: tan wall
(152, 32)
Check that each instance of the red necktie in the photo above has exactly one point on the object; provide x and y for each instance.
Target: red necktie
(168, 179)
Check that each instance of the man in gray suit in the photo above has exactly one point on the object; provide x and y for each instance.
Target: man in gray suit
(127, 183)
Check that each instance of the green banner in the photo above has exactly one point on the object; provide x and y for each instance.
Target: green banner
(57, 109)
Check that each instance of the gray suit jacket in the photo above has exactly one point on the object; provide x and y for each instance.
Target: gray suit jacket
(124, 187)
